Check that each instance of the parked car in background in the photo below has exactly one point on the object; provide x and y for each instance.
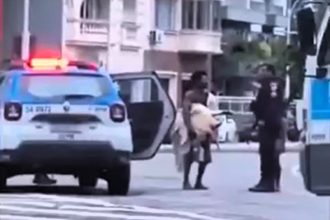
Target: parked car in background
(293, 133)
(227, 131)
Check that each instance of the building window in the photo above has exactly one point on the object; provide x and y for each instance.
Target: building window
(324, 53)
(90, 9)
(216, 16)
(201, 14)
(165, 14)
(129, 8)
(69, 3)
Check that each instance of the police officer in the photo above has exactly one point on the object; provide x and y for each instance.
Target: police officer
(269, 109)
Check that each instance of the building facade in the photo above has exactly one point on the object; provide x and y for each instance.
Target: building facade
(172, 37)
(245, 22)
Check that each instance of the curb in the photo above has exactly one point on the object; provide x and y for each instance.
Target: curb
(240, 148)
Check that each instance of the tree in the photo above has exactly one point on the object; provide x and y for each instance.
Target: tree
(277, 53)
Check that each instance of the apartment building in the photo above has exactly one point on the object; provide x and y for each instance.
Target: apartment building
(173, 37)
(246, 21)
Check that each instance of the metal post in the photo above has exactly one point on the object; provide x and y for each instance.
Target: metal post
(109, 38)
(64, 28)
(287, 82)
(209, 70)
(26, 32)
(291, 11)
(288, 27)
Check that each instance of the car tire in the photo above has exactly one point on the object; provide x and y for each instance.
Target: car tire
(87, 181)
(3, 179)
(118, 180)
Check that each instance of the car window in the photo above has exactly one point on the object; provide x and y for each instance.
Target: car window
(54, 85)
(324, 53)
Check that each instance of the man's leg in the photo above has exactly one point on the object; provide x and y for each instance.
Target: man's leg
(188, 160)
(266, 153)
(206, 150)
(277, 172)
(280, 148)
(199, 179)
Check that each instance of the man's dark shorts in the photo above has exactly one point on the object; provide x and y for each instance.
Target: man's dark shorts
(200, 154)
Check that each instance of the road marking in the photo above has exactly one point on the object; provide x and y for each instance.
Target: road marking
(17, 217)
(84, 213)
(40, 206)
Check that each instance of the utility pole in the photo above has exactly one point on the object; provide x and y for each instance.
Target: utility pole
(109, 38)
(288, 27)
(25, 50)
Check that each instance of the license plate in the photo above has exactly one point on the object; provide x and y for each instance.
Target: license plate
(64, 129)
(66, 137)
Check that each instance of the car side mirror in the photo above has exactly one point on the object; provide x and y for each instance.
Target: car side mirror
(306, 30)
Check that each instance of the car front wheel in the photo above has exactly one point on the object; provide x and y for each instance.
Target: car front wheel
(118, 180)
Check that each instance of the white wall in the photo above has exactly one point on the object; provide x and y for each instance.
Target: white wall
(123, 57)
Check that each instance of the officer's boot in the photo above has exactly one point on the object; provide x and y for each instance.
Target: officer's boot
(43, 179)
(264, 185)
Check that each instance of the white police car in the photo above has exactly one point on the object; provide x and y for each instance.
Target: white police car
(66, 117)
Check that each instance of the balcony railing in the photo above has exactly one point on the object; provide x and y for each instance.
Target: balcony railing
(87, 30)
(199, 41)
(260, 6)
(235, 104)
(240, 104)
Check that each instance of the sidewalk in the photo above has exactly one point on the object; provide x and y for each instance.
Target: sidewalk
(240, 147)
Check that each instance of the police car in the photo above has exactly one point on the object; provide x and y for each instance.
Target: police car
(67, 117)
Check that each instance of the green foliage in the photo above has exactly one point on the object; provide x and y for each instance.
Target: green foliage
(276, 53)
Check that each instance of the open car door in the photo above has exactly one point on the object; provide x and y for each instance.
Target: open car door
(150, 111)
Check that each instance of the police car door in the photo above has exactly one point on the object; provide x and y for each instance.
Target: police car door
(150, 110)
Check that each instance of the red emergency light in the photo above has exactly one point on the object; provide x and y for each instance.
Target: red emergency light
(48, 63)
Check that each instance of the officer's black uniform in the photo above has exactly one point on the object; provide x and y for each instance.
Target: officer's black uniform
(269, 109)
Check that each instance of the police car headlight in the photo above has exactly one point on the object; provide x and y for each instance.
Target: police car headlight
(117, 113)
(13, 111)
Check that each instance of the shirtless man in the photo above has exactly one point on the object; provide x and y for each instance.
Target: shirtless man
(196, 94)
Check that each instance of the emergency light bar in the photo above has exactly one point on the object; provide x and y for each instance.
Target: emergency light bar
(48, 64)
(44, 63)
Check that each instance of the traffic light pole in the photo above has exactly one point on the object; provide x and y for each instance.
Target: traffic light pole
(109, 39)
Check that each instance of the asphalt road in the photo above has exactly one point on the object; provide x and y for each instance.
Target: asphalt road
(156, 195)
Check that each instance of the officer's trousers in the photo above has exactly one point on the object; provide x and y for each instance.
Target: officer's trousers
(269, 156)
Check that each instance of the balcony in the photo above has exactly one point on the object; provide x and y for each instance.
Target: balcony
(254, 11)
(244, 11)
(201, 27)
(199, 41)
(86, 31)
(95, 33)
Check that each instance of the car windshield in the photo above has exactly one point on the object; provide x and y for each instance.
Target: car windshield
(65, 85)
